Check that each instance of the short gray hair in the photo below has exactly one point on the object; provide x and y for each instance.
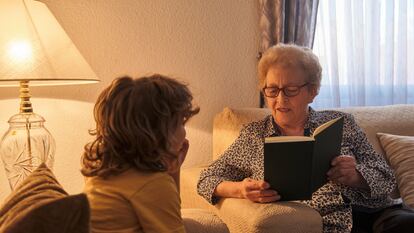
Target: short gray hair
(290, 55)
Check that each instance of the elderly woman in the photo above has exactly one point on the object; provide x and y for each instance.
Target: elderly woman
(360, 181)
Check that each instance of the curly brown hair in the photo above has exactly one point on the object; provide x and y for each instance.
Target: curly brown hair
(135, 119)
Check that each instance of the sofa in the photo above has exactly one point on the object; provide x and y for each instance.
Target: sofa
(243, 216)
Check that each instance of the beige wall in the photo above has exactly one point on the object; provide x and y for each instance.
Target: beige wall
(210, 44)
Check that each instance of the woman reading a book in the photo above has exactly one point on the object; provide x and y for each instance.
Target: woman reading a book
(360, 181)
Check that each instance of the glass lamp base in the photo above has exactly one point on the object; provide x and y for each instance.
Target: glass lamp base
(25, 146)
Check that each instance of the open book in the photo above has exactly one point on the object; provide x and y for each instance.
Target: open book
(296, 166)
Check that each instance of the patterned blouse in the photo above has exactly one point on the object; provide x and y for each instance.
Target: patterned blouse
(244, 159)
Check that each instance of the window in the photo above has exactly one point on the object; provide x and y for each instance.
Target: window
(366, 49)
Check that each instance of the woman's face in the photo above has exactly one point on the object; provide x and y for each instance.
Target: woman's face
(289, 111)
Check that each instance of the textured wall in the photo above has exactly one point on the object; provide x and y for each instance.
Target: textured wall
(211, 45)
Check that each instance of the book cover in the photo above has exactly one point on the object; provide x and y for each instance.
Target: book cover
(296, 166)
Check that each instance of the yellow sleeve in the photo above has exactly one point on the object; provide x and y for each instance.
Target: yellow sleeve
(158, 206)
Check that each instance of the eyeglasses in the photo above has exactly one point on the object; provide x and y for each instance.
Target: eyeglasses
(290, 91)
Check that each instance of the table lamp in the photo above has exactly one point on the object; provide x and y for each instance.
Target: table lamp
(34, 50)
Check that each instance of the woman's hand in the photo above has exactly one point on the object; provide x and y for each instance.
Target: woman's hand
(344, 171)
(257, 191)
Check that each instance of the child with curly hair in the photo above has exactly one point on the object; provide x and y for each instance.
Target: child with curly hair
(133, 164)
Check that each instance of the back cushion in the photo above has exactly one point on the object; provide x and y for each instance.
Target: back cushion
(229, 122)
(399, 150)
(392, 119)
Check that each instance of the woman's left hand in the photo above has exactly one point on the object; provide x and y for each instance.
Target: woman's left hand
(344, 171)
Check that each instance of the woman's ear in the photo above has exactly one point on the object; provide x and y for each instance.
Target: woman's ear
(313, 91)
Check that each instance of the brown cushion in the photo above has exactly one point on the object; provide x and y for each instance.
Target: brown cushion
(399, 151)
(39, 204)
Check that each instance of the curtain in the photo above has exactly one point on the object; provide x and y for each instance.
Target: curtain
(287, 21)
(366, 48)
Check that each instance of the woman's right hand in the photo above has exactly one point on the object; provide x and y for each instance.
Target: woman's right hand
(257, 191)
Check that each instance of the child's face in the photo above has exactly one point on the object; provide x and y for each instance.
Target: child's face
(179, 146)
(178, 137)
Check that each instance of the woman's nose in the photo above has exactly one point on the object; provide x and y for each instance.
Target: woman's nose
(281, 97)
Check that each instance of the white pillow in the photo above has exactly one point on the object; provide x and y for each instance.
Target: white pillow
(399, 151)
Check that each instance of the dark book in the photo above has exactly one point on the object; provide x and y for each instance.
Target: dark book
(296, 166)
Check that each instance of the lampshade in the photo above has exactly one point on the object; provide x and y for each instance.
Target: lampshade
(34, 47)
(34, 50)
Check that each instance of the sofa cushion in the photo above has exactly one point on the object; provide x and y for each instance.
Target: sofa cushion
(392, 119)
(39, 204)
(242, 215)
(229, 122)
(399, 151)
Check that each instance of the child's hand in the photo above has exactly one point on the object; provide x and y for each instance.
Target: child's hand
(174, 165)
(182, 153)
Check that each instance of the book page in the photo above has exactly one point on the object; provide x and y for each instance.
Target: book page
(324, 126)
(288, 139)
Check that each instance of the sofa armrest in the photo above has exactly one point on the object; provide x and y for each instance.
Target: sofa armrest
(188, 189)
(244, 216)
